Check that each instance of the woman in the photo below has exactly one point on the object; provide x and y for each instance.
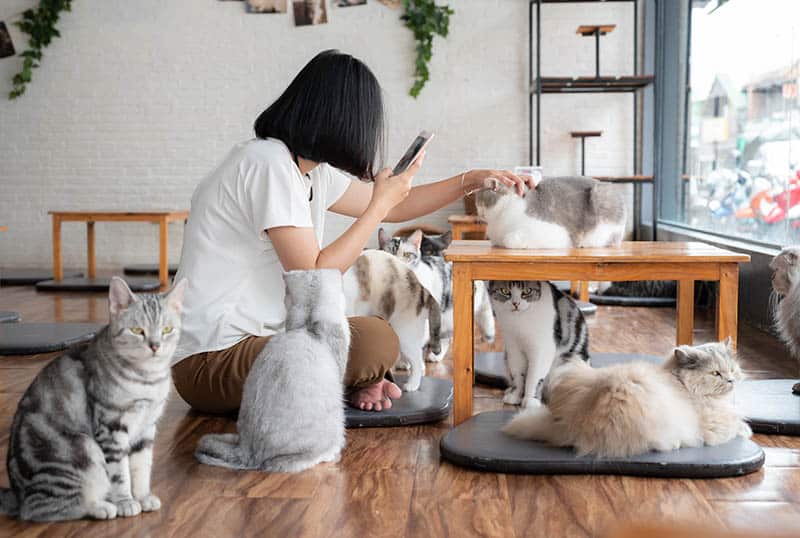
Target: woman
(262, 212)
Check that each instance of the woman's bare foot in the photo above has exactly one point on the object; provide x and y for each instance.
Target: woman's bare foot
(376, 397)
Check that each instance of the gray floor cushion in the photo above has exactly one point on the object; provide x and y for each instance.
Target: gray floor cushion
(136, 284)
(618, 300)
(31, 338)
(147, 269)
(29, 277)
(479, 444)
(430, 403)
(9, 317)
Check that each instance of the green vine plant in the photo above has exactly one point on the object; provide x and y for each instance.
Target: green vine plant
(425, 19)
(40, 25)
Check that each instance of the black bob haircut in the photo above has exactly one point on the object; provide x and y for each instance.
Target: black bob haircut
(332, 112)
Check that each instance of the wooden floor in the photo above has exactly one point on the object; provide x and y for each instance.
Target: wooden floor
(391, 482)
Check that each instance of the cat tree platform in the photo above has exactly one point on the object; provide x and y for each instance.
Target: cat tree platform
(32, 338)
(637, 260)
(431, 403)
(480, 444)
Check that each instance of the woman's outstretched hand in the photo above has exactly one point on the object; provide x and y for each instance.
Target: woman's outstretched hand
(475, 180)
(389, 190)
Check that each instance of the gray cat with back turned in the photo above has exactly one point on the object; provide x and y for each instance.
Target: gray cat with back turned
(81, 443)
(292, 412)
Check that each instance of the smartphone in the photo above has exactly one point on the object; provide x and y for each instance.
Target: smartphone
(413, 150)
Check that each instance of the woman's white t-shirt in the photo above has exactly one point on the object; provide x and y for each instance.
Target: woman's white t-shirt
(235, 278)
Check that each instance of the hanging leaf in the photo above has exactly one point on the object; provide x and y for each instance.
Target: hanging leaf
(40, 26)
(425, 19)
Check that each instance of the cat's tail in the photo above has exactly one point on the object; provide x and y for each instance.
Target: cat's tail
(222, 450)
(535, 424)
(9, 504)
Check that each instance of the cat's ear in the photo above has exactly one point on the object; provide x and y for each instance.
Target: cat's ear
(415, 238)
(686, 357)
(728, 343)
(382, 238)
(446, 238)
(120, 296)
(175, 295)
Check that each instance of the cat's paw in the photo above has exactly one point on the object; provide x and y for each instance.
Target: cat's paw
(411, 386)
(531, 403)
(488, 338)
(128, 507)
(102, 510)
(435, 357)
(150, 503)
(402, 365)
(512, 398)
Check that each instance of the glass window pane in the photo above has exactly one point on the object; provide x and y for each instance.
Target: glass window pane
(742, 151)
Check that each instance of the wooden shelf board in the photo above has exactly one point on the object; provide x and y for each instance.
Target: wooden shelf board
(626, 83)
(589, 29)
(585, 134)
(625, 179)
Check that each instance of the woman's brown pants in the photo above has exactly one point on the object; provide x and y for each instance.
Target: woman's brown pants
(212, 382)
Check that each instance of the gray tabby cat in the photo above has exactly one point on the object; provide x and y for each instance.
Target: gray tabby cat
(561, 212)
(641, 288)
(82, 438)
(424, 255)
(786, 287)
(539, 324)
(292, 412)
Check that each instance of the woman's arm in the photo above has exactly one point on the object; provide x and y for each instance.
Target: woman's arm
(425, 199)
(297, 248)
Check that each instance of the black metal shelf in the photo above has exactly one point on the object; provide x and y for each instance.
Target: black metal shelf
(619, 84)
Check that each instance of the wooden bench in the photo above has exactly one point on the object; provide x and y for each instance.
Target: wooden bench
(162, 218)
(637, 260)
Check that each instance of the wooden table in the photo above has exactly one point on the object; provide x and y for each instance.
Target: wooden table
(162, 218)
(637, 260)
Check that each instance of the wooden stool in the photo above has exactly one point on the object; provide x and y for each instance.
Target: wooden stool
(461, 224)
(637, 260)
(162, 218)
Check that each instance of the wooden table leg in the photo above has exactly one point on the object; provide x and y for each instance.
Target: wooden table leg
(685, 312)
(90, 255)
(457, 235)
(58, 270)
(463, 371)
(163, 256)
(583, 293)
(728, 302)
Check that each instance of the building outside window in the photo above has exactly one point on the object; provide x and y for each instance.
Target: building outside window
(742, 157)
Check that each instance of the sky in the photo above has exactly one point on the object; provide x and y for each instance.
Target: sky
(743, 38)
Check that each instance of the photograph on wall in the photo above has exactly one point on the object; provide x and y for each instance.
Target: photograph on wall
(348, 3)
(266, 6)
(308, 12)
(6, 45)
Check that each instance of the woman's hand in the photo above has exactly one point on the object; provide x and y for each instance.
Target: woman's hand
(389, 190)
(476, 180)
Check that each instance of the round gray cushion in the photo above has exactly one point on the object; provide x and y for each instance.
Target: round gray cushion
(431, 403)
(137, 284)
(32, 338)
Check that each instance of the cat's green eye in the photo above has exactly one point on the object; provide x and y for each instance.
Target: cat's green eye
(166, 330)
(716, 373)
(505, 291)
(528, 291)
(137, 330)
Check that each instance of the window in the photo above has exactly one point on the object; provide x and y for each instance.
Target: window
(742, 138)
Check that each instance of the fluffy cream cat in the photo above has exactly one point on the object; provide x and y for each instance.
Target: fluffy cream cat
(633, 408)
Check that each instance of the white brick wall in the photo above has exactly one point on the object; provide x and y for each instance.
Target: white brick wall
(138, 100)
